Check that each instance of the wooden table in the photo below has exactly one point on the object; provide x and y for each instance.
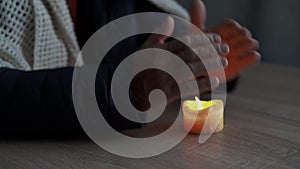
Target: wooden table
(262, 130)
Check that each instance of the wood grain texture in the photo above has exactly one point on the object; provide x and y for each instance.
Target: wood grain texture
(262, 130)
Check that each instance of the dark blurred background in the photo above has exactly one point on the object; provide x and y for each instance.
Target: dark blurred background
(275, 23)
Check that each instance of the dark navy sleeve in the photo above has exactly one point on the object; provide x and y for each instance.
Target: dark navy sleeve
(39, 103)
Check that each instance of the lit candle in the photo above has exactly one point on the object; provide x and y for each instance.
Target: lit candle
(195, 114)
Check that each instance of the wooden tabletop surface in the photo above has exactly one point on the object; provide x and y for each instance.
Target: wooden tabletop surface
(262, 130)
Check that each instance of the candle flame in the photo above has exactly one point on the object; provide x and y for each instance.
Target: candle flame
(198, 103)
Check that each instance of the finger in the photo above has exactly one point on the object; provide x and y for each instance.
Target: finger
(204, 85)
(238, 32)
(203, 52)
(188, 41)
(250, 58)
(229, 24)
(202, 67)
(246, 32)
(230, 29)
(165, 30)
(222, 48)
(198, 14)
(242, 40)
(246, 61)
(194, 54)
(200, 39)
(207, 84)
(242, 49)
(218, 73)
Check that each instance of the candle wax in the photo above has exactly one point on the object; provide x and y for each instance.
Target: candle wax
(195, 117)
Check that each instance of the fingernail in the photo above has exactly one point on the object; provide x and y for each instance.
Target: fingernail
(217, 38)
(215, 82)
(224, 48)
(224, 61)
(258, 55)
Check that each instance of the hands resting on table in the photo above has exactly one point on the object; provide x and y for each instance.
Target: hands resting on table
(233, 42)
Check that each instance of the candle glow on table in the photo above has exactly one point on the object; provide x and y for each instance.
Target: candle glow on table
(196, 113)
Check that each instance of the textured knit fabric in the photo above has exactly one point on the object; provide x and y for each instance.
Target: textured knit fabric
(36, 34)
(39, 103)
(172, 7)
(39, 34)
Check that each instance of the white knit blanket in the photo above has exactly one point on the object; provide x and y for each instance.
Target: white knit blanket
(39, 34)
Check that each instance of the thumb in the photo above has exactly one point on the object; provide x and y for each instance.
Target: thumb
(198, 14)
(163, 32)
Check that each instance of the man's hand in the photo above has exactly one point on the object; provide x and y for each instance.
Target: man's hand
(149, 80)
(242, 46)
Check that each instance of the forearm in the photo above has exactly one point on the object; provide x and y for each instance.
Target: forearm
(37, 102)
(40, 103)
